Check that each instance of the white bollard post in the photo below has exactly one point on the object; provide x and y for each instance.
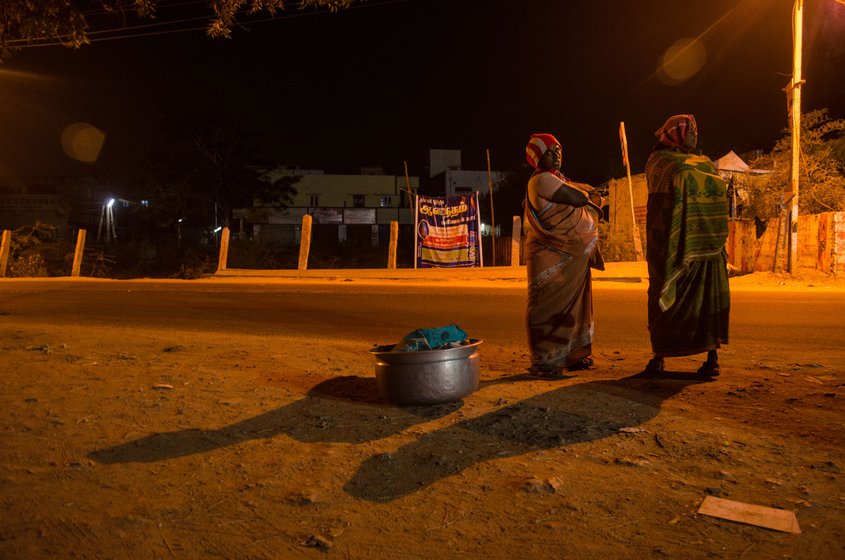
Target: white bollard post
(5, 246)
(78, 254)
(223, 259)
(305, 242)
(394, 242)
(516, 238)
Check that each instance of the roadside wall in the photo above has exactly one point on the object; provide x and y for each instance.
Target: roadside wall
(838, 242)
(742, 245)
(821, 244)
(619, 206)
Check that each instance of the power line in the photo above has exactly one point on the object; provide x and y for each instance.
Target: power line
(115, 38)
(129, 32)
(103, 11)
(159, 6)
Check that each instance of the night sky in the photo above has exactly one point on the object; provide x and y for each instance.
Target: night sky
(387, 80)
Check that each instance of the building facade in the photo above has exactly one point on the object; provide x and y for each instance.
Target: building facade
(67, 203)
(357, 208)
(448, 178)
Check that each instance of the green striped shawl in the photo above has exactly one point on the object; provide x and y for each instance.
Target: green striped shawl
(699, 224)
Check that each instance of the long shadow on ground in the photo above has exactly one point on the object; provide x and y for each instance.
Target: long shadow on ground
(345, 409)
(349, 409)
(573, 414)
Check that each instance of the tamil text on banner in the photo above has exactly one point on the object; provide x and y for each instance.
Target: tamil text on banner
(448, 231)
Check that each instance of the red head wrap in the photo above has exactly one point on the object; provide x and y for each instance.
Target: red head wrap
(679, 131)
(537, 146)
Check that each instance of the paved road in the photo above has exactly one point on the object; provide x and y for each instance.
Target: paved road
(790, 326)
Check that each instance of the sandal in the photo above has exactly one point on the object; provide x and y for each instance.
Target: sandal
(710, 369)
(582, 364)
(655, 365)
(548, 372)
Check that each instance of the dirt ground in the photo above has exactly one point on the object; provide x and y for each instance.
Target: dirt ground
(134, 444)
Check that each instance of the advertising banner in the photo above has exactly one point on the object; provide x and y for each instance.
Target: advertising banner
(447, 231)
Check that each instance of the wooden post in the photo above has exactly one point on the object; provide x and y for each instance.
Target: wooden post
(795, 120)
(394, 241)
(78, 254)
(492, 211)
(408, 186)
(638, 243)
(224, 250)
(305, 242)
(4, 251)
(613, 201)
(516, 237)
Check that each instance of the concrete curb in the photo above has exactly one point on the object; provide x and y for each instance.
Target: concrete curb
(619, 272)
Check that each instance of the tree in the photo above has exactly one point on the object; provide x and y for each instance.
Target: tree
(69, 21)
(203, 166)
(822, 180)
(508, 197)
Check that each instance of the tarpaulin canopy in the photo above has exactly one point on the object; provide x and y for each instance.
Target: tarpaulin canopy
(732, 162)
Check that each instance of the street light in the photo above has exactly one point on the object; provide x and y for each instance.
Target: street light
(107, 215)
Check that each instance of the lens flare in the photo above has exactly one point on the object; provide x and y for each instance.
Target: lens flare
(83, 142)
(681, 61)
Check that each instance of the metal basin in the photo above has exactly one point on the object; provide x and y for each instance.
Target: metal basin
(427, 376)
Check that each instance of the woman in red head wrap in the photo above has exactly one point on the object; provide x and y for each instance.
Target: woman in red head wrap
(561, 238)
(686, 230)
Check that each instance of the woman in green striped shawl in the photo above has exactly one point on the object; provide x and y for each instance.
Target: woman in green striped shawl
(686, 227)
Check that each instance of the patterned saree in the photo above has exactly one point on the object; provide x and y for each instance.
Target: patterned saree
(558, 246)
(687, 226)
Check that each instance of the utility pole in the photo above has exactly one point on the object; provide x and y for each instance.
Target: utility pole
(795, 120)
(408, 186)
(492, 211)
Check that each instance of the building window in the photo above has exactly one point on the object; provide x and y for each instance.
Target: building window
(315, 200)
(384, 201)
(358, 201)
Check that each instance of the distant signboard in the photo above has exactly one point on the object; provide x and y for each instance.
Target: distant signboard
(359, 215)
(447, 231)
(327, 215)
(286, 216)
